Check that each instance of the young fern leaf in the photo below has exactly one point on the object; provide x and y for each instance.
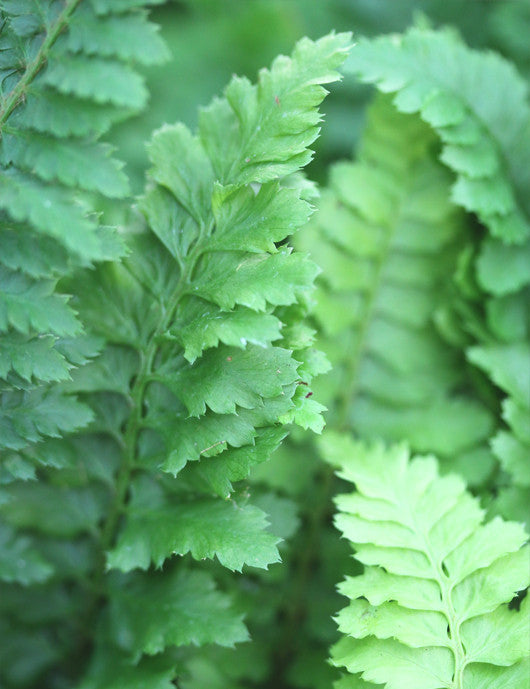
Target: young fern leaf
(431, 609)
(386, 237)
(224, 386)
(53, 170)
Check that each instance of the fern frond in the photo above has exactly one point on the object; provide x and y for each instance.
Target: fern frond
(258, 134)
(386, 237)
(53, 171)
(230, 392)
(199, 372)
(491, 156)
(436, 75)
(450, 86)
(431, 609)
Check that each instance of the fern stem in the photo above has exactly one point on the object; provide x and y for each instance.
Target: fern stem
(133, 427)
(452, 622)
(351, 379)
(134, 423)
(18, 94)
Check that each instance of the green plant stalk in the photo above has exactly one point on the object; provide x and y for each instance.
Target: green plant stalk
(134, 422)
(110, 526)
(18, 94)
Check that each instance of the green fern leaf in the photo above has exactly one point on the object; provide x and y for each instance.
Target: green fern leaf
(259, 133)
(49, 210)
(50, 157)
(23, 507)
(128, 36)
(27, 417)
(210, 434)
(234, 464)
(255, 280)
(103, 81)
(78, 164)
(490, 159)
(80, 117)
(204, 350)
(201, 355)
(201, 325)
(254, 222)
(18, 560)
(431, 608)
(205, 528)
(179, 608)
(36, 358)
(228, 377)
(28, 305)
(448, 91)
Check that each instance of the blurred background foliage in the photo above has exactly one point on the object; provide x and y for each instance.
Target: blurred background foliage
(290, 607)
(210, 40)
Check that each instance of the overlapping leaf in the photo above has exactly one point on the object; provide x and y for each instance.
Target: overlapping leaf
(509, 367)
(179, 608)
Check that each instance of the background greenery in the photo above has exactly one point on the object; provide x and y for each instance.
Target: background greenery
(210, 40)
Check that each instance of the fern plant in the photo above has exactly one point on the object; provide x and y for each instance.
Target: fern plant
(201, 360)
(431, 608)
(148, 371)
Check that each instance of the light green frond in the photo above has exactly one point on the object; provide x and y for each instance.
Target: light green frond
(431, 609)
